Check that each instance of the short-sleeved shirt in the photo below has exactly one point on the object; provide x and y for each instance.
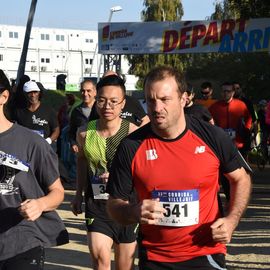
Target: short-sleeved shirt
(233, 116)
(28, 166)
(186, 170)
(43, 120)
(199, 111)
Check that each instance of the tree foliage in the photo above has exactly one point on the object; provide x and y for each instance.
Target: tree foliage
(157, 10)
(251, 69)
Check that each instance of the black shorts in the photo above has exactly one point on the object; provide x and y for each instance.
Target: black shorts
(32, 259)
(119, 233)
(209, 262)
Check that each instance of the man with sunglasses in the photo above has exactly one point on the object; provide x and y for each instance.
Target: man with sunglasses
(207, 95)
(196, 109)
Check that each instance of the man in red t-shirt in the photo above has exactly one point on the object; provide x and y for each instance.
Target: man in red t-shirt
(233, 116)
(173, 165)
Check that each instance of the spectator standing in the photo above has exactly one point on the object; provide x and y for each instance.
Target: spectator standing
(63, 117)
(98, 141)
(197, 110)
(264, 121)
(30, 191)
(37, 116)
(267, 114)
(80, 114)
(207, 95)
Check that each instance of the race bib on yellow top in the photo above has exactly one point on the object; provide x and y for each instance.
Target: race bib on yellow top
(99, 189)
(182, 207)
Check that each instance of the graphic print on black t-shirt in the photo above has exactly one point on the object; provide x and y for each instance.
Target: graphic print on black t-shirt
(9, 166)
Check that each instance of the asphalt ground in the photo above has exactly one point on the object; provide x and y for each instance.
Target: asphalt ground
(249, 249)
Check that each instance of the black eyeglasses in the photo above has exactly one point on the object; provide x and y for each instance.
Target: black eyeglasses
(101, 103)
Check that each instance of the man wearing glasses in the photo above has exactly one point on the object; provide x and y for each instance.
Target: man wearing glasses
(233, 116)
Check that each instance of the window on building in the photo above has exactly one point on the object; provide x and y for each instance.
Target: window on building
(13, 35)
(45, 37)
(45, 60)
(0, 34)
(88, 61)
(60, 38)
(89, 40)
(1, 57)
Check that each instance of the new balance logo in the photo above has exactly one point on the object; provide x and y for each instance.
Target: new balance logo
(151, 154)
(200, 149)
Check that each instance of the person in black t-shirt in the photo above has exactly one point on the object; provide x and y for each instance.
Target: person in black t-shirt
(197, 110)
(37, 116)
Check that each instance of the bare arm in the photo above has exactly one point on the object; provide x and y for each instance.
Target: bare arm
(31, 209)
(240, 183)
(55, 134)
(146, 212)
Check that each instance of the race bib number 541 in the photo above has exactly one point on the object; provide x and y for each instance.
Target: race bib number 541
(182, 207)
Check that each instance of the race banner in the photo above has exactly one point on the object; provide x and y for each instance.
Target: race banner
(226, 36)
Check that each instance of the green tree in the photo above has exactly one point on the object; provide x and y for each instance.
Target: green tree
(157, 10)
(251, 69)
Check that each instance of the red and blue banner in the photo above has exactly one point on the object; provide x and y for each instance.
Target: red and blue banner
(226, 36)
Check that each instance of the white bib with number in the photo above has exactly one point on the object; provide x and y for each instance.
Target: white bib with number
(182, 207)
(99, 189)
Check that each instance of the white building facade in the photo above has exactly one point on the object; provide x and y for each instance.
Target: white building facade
(52, 52)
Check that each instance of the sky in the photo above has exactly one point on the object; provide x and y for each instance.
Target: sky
(85, 14)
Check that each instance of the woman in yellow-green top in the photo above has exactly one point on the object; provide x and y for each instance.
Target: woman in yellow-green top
(98, 142)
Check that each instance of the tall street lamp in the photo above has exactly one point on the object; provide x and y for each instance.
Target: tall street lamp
(112, 10)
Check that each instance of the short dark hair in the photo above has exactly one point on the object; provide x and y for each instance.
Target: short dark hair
(4, 82)
(162, 72)
(112, 80)
(206, 85)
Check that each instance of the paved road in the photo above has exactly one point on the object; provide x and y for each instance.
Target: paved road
(250, 248)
